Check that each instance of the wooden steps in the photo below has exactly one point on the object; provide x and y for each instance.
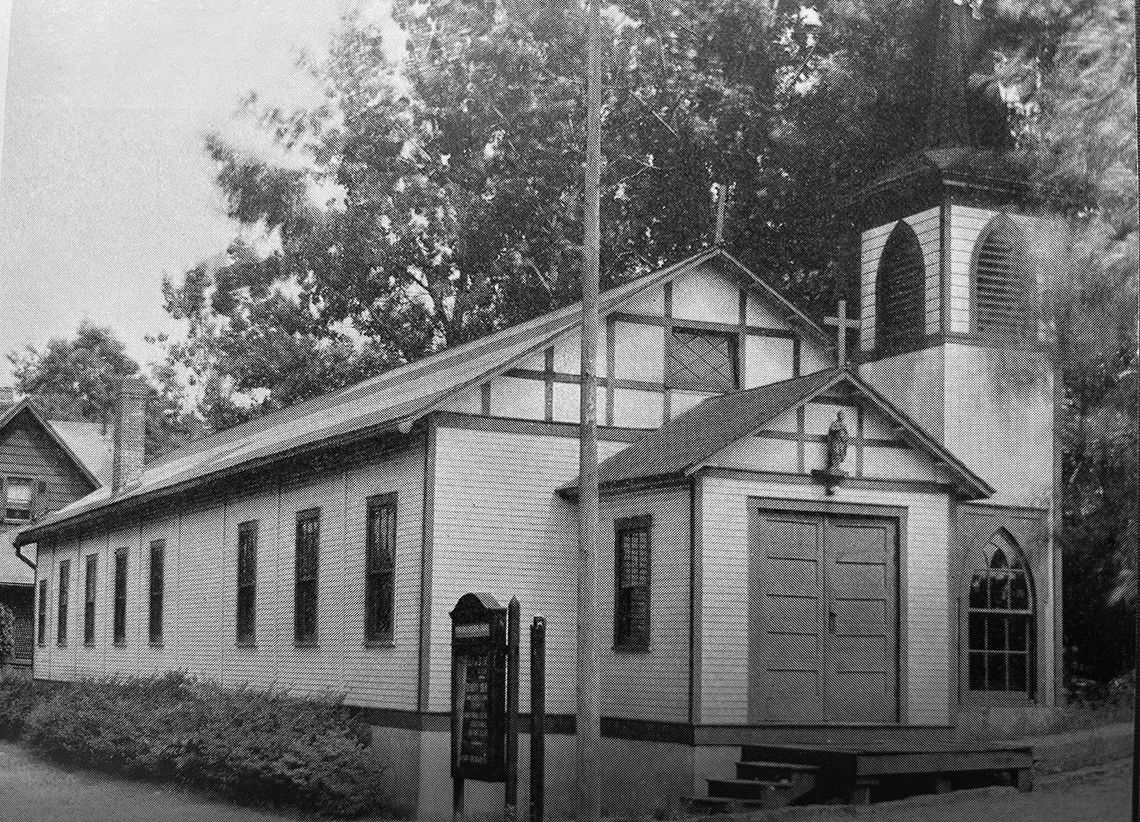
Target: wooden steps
(760, 784)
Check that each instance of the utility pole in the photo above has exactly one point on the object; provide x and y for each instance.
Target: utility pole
(588, 789)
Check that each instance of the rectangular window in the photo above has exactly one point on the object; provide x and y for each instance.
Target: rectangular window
(380, 562)
(702, 361)
(157, 580)
(61, 605)
(41, 615)
(305, 572)
(246, 582)
(631, 594)
(90, 583)
(18, 499)
(119, 620)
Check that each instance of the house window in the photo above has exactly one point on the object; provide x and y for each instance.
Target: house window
(305, 571)
(119, 620)
(901, 291)
(631, 595)
(380, 562)
(157, 582)
(1000, 632)
(1001, 282)
(41, 615)
(90, 583)
(18, 499)
(61, 604)
(702, 361)
(246, 582)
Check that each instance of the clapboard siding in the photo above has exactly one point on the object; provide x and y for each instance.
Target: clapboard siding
(27, 451)
(501, 529)
(724, 598)
(199, 633)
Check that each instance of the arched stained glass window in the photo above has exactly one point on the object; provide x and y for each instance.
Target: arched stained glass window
(1001, 283)
(901, 289)
(1001, 629)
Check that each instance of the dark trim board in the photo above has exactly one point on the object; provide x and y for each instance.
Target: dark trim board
(476, 422)
(870, 483)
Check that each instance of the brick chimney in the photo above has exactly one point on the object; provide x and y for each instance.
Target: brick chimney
(130, 430)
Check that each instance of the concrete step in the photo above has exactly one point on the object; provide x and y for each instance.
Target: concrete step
(704, 805)
(757, 790)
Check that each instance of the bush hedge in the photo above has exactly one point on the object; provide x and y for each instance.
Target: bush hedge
(258, 747)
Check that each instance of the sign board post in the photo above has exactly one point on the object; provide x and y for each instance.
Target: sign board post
(537, 719)
(484, 699)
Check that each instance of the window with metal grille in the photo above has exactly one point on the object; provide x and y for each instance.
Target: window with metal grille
(380, 562)
(90, 586)
(901, 291)
(1001, 282)
(61, 604)
(633, 541)
(41, 614)
(157, 584)
(119, 620)
(305, 575)
(247, 582)
(702, 361)
(1000, 633)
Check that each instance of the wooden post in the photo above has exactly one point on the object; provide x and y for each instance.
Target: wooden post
(537, 719)
(457, 676)
(511, 790)
(588, 793)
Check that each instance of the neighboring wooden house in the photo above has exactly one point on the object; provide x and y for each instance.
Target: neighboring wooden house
(45, 465)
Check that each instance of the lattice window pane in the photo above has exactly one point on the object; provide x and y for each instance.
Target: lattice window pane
(306, 571)
(380, 561)
(631, 597)
(702, 361)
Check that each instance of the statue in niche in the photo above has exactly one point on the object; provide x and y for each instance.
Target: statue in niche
(837, 438)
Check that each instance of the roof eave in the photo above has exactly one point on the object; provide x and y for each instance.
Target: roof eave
(120, 506)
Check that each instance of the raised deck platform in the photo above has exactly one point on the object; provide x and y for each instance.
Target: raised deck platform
(771, 775)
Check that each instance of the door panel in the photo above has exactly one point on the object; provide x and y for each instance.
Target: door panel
(860, 571)
(786, 620)
(822, 621)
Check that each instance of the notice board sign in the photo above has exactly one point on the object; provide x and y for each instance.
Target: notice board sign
(478, 688)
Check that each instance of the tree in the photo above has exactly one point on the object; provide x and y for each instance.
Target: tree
(1073, 77)
(426, 203)
(78, 379)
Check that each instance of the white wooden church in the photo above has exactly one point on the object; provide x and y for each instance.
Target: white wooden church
(774, 572)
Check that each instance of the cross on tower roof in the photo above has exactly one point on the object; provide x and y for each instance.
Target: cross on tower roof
(841, 325)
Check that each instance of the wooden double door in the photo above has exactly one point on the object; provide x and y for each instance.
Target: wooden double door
(823, 621)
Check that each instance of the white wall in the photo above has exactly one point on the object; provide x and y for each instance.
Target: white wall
(199, 630)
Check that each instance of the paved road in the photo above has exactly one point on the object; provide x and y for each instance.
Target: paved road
(35, 791)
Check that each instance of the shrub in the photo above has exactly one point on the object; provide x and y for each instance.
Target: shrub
(7, 635)
(18, 696)
(242, 743)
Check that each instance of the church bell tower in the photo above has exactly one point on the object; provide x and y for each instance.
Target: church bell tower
(948, 329)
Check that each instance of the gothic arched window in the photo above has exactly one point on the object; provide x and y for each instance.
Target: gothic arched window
(901, 289)
(1001, 281)
(1001, 625)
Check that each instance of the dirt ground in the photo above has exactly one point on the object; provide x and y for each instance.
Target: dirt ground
(32, 790)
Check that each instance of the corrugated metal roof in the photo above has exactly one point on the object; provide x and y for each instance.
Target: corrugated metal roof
(384, 402)
(681, 445)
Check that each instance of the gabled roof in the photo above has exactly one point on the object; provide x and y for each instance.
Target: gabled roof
(949, 163)
(394, 400)
(682, 446)
(84, 443)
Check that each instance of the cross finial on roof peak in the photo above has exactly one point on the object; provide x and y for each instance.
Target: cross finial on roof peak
(841, 325)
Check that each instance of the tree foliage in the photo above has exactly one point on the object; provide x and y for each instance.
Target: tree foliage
(425, 203)
(77, 378)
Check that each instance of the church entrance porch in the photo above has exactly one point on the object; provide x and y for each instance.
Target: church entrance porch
(823, 625)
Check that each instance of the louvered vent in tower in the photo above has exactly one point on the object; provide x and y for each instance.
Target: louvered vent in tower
(901, 291)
